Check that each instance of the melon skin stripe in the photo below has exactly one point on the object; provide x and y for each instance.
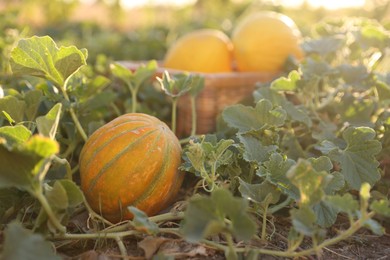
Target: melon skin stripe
(131, 161)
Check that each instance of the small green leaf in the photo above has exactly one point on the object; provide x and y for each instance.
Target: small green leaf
(14, 134)
(40, 57)
(286, 84)
(123, 73)
(375, 227)
(177, 85)
(12, 108)
(322, 163)
(197, 85)
(48, 124)
(381, 207)
(142, 222)
(20, 243)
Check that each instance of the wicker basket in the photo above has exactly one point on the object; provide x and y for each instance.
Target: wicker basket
(220, 90)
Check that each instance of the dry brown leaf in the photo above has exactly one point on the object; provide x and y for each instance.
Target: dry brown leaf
(150, 245)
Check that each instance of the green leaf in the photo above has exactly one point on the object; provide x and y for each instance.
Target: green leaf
(177, 85)
(40, 57)
(303, 220)
(13, 107)
(246, 118)
(197, 85)
(294, 112)
(357, 112)
(56, 196)
(142, 222)
(375, 227)
(322, 163)
(20, 243)
(73, 192)
(275, 170)
(324, 46)
(345, 203)
(33, 100)
(14, 134)
(357, 160)
(326, 214)
(286, 84)
(254, 150)
(48, 124)
(21, 163)
(205, 216)
(381, 207)
(203, 155)
(121, 72)
(309, 182)
(258, 193)
(201, 219)
(335, 184)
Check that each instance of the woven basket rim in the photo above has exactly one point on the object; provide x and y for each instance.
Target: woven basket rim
(234, 74)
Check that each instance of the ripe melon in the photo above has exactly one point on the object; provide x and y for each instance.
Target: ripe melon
(131, 161)
(203, 50)
(263, 40)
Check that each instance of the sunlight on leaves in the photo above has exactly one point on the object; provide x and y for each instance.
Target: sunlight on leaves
(40, 57)
(309, 182)
(13, 135)
(47, 125)
(22, 163)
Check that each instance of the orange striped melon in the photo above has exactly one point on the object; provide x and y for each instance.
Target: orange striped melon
(131, 161)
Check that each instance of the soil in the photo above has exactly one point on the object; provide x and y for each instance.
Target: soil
(363, 245)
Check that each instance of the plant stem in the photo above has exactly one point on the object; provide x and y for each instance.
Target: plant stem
(74, 116)
(344, 235)
(193, 112)
(173, 119)
(264, 224)
(134, 92)
(167, 216)
(121, 247)
(45, 205)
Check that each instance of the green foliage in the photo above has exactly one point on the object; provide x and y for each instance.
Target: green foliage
(313, 145)
(21, 243)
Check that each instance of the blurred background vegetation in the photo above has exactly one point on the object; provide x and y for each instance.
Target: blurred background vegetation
(109, 30)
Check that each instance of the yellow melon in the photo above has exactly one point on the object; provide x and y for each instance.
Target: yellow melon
(203, 50)
(263, 40)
